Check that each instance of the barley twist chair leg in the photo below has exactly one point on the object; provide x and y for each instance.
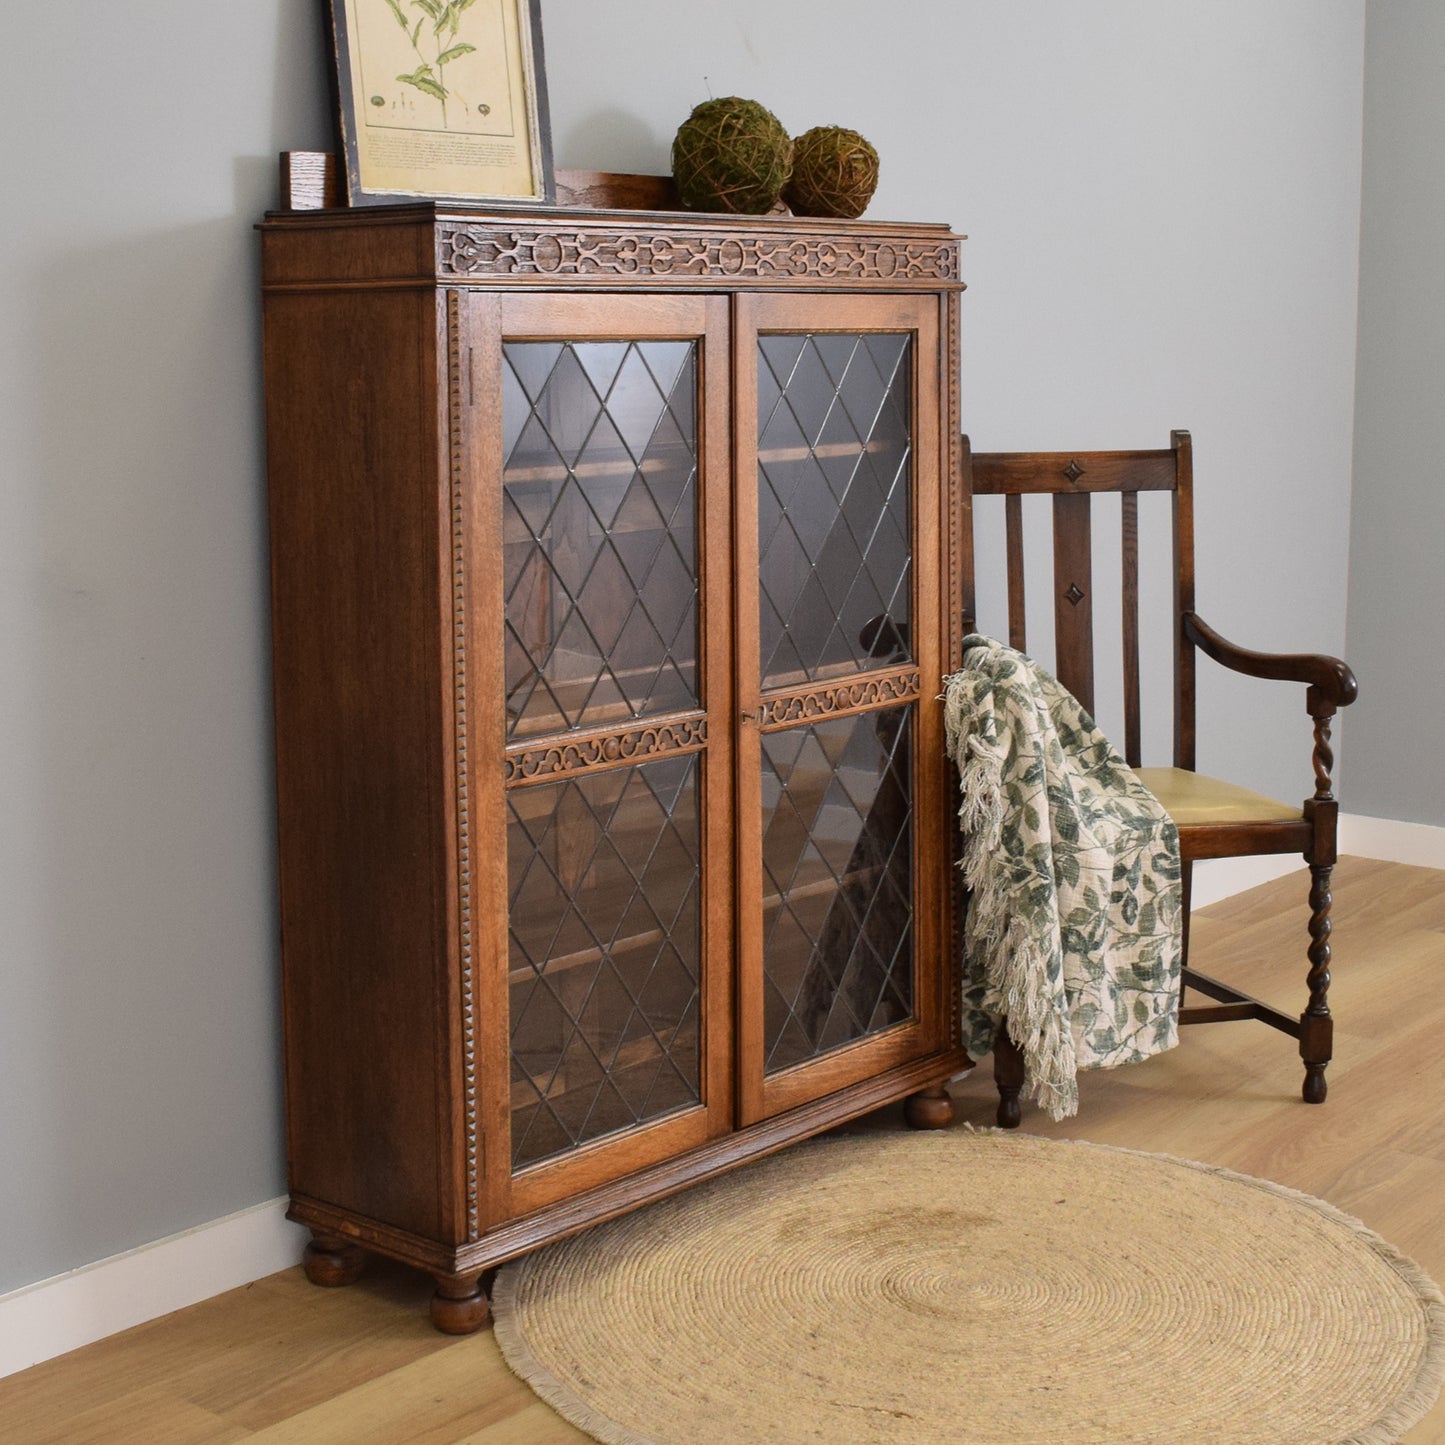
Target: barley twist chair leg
(1316, 1026)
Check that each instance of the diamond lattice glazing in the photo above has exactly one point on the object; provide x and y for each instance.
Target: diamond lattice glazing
(600, 530)
(834, 457)
(837, 842)
(604, 936)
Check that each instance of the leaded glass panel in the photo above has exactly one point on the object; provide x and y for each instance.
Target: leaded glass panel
(834, 464)
(600, 531)
(603, 873)
(838, 916)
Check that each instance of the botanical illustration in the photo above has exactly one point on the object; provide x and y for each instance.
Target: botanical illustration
(435, 37)
(441, 98)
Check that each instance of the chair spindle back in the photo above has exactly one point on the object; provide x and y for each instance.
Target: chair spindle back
(1072, 479)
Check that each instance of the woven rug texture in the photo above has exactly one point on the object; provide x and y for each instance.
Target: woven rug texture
(900, 1289)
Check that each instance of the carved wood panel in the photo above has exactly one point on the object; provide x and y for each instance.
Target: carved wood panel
(587, 754)
(547, 253)
(856, 696)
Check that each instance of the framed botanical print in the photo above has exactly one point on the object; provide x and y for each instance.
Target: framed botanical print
(442, 99)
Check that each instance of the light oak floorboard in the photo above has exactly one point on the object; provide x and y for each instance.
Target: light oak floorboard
(281, 1361)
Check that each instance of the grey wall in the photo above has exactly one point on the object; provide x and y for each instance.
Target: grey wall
(139, 1086)
(1163, 199)
(1396, 593)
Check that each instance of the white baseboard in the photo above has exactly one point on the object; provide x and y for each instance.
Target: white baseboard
(58, 1315)
(1392, 841)
(55, 1316)
(1218, 878)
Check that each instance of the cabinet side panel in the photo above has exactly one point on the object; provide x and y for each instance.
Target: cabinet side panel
(351, 419)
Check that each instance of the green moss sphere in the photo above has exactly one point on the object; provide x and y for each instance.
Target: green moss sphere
(835, 172)
(731, 155)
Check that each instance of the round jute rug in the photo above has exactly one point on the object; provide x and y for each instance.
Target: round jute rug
(977, 1287)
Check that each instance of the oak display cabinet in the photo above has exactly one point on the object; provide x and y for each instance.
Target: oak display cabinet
(616, 564)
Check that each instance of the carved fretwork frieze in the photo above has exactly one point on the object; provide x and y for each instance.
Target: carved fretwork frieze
(497, 251)
(840, 698)
(571, 755)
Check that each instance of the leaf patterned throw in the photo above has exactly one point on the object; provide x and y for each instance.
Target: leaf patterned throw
(1073, 926)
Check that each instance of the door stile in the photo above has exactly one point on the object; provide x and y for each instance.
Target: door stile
(930, 592)
(476, 616)
(749, 752)
(955, 620)
(715, 621)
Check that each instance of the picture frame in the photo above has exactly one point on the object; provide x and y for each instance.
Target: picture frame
(442, 100)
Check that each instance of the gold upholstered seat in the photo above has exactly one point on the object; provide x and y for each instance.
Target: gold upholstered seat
(1194, 800)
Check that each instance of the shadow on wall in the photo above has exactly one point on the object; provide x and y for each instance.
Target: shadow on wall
(614, 140)
(151, 1055)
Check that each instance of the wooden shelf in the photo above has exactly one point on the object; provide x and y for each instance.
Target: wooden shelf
(837, 672)
(821, 887)
(623, 466)
(565, 962)
(637, 1054)
(556, 728)
(656, 465)
(827, 452)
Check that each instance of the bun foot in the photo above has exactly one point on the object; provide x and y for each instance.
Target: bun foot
(1315, 1087)
(1010, 1112)
(459, 1307)
(929, 1109)
(332, 1262)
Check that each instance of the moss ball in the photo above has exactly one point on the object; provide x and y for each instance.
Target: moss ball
(731, 155)
(835, 172)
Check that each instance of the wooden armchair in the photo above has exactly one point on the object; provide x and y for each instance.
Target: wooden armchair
(1215, 819)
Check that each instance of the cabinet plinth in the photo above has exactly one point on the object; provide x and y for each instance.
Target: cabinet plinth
(615, 574)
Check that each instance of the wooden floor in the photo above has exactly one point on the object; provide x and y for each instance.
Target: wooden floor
(282, 1361)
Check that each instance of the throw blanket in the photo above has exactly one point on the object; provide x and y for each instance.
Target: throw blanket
(1073, 925)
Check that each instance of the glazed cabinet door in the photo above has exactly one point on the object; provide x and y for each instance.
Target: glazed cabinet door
(838, 459)
(600, 763)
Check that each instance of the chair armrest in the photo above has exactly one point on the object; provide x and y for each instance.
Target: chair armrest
(1329, 677)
